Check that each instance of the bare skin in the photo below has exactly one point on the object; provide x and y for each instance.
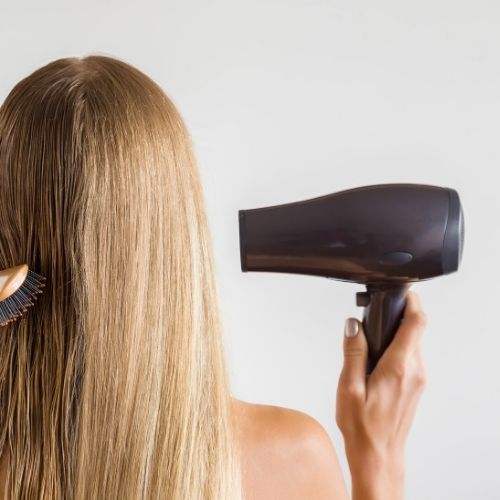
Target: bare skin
(375, 413)
(288, 455)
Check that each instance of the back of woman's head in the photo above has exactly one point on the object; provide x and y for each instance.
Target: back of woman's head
(114, 384)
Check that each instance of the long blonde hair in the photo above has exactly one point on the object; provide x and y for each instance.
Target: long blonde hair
(114, 385)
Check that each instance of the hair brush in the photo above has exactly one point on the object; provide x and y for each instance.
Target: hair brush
(19, 287)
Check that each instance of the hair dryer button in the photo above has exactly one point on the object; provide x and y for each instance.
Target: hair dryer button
(363, 299)
(396, 258)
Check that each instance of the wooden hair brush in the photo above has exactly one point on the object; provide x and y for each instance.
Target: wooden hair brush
(19, 287)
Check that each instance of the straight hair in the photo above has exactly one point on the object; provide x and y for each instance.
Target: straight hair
(114, 384)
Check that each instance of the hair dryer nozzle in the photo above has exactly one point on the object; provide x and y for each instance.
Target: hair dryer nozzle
(454, 234)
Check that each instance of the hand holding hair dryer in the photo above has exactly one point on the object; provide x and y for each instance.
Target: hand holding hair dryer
(383, 236)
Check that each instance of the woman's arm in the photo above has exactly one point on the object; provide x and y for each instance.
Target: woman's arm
(375, 412)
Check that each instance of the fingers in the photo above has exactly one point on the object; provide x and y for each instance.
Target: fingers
(413, 308)
(403, 359)
(408, 335)
(353, 375)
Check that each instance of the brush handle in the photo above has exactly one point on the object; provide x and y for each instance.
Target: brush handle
(384, 307)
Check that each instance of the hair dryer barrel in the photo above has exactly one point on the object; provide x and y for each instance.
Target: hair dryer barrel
(384, 236)
(389, 233)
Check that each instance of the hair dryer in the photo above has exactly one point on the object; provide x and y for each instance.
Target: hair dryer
(382, 236)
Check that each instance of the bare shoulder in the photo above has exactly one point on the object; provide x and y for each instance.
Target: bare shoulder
(286, 454)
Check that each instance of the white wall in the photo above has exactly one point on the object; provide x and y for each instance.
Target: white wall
(288, 100)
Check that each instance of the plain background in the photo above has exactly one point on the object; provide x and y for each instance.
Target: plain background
(289, 100)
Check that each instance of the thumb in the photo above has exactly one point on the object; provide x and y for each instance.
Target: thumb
(353, 375)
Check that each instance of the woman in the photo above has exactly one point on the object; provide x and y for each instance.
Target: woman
(114, 385)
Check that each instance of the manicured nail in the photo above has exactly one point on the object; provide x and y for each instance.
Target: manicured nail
(351, 327)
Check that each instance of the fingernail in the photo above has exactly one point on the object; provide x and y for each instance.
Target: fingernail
(351, 327)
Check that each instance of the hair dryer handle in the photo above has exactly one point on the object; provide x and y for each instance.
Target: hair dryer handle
(384, 307)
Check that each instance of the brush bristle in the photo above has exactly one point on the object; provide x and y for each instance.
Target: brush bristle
(17, 304)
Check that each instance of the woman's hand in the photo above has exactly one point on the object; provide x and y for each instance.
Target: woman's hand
(375, 412)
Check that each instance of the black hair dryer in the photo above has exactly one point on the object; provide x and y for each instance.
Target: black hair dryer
(383, 236)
